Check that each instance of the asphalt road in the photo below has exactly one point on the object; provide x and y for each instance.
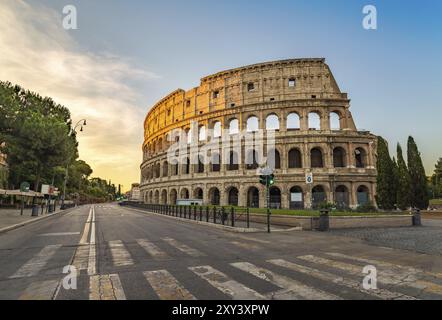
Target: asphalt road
(121, 253)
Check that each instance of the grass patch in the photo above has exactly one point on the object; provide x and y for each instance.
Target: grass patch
(436, 202)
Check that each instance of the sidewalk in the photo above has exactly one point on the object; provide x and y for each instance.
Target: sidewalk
(11, 217)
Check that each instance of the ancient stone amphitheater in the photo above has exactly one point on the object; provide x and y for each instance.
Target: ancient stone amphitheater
(298, 101)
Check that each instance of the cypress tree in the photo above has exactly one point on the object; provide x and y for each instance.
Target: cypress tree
(419, 189)
(385, 190)
(403, 181)
(396, 180)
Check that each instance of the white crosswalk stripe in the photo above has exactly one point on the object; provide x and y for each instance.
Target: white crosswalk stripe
(166, 286)
(37, 263)
(106, 287)
(292, 289)
(230, 287)
(184, 248)
(120, 255)
(40, 290)
(152, 249)
(326, 276)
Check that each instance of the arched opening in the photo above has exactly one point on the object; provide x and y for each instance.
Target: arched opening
(252, 124)
(198, 194)
(360, 158)
(157, 170)
(335, 121)
(214, 196)
(316, 158)
(253, 198)
(164, 197)
(188, 133)
(233, 161)
(156, 199)
(318, 196)
(293, 121)
(151, 196)
(296, 198)
(295, 159)
(275, 198)
(202, 133)
(165, 169)
(252, 160)
(184, 194)
(339, 157)
(217, 129)
(200, 166)
(233, 197)
(234, 126)
(274, 159)
(216, 162)
(342, 198)
(186, 166)
(173, 197)
(175, 168)
(314, 121)
(363, 195)
(272, 122)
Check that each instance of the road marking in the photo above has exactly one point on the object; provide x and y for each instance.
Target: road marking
(59, 234)
(87, 226)
(120, 256)
(230, 287)
(92, 261)
(33, 266)
(152, 249)
(293, 290)
(106, 287)
(244, 245)
(326, 276)
(183, 248)
(41, 290)
(384, 264)
(81, 257)
(398, 274)
(166, 286)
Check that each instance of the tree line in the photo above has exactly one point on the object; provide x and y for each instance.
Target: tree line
(401, 184)
(37, 138)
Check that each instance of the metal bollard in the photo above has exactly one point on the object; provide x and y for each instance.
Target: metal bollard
(214, 215)
(417, 221)
(324, 220)
(207, 214)
(232, 213)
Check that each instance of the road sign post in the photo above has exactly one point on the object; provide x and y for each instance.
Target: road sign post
(24, 187)
(267, 178)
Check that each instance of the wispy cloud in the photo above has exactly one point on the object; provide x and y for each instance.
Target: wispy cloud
(38, 54)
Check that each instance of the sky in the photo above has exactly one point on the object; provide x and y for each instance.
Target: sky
(128, 54)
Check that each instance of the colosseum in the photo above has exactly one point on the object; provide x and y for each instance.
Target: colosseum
(299, 101)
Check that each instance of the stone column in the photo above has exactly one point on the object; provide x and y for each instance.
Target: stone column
(242, 196)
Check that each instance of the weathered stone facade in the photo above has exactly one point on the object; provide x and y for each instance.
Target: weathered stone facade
(284, 95)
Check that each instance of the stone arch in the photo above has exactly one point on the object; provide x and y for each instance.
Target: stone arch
(252, 160)
(214, 196)
(335, 120)
(319, 196)
(314, 120)
(173, 197)
(293, 121)
(156, 199)
(361, 158)
(186, 165)
(233, 163)
(272, 122)
(232, 196)
(198, 193)
(233, 126)
(253, 197)
(252, 123)
(342, 197)
(215, 161)
(275, 197)
(295, 158)
(202, 134)
(339, 157)
(164, 196)
(316, 158)
(363, 195)
(184, 193)
(274, 158)
(165, 168)
(151, 196)
(296, 197)
(216, 129)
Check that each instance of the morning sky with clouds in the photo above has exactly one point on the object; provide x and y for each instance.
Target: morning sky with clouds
(126, 55)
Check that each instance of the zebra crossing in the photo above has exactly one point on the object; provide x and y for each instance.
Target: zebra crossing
(291, 275)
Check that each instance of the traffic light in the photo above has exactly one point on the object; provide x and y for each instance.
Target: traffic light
(263, 180)
(271, 180)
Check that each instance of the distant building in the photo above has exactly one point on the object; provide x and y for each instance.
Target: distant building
(134, 194)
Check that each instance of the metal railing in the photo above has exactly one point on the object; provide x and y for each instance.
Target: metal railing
(227, 216)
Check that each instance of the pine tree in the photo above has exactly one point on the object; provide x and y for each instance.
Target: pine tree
(385, 190)
(419, 189)
(403, 181)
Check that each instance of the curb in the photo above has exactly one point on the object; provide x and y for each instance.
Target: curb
(216, 226)
(25, 223)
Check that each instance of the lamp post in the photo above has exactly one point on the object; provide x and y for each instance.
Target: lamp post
(80, 124)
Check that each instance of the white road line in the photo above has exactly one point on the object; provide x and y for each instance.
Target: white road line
(326, 276)
(33, 266)
(106, 287)
(92, 263)
(59, 234)
(86, 229)
(41, 290)
(152, 249)
(166, 286)
(245, 245)
(120, 255)
(184, 248)
(293, 290)
(230, 287)
(398, 275)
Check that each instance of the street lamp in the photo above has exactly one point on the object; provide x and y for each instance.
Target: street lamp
(80, 124)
